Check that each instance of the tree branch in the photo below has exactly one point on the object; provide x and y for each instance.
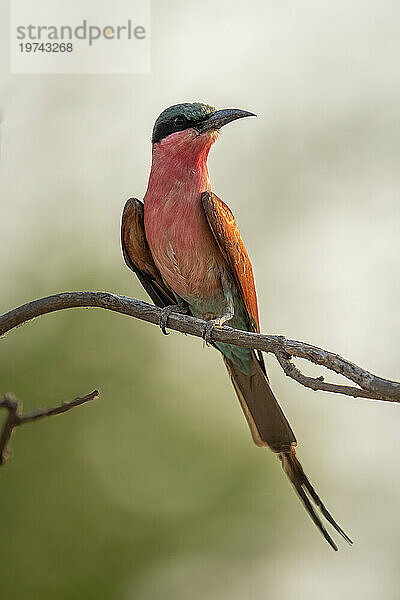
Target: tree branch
(369, 385)
(15, 418)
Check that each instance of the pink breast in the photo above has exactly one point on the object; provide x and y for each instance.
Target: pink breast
(182, 244)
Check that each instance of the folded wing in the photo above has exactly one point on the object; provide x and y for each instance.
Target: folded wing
(227, 235)
(137, 254)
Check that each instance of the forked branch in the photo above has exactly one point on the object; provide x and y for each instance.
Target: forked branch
(367, 385)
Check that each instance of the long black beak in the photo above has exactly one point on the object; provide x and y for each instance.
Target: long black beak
(219, 118)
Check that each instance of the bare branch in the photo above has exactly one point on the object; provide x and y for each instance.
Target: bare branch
(15, 418)
(370, 386)
(318, 383)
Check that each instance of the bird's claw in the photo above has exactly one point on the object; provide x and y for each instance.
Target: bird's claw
(167, 311)
(208, 329)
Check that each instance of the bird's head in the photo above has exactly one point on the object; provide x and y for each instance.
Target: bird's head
(192, 128)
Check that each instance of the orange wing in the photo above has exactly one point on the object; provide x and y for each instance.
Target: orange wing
(137, 254)
(227, 235)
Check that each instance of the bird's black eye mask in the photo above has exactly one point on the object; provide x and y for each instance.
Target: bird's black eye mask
(177, 123)
(201, 117)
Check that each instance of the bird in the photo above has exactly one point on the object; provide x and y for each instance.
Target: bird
(184, 245)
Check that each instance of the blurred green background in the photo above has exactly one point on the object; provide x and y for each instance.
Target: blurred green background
(156, 490)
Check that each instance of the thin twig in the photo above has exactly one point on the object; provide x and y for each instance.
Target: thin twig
(370, 386)
(15, 418)
(318, 383)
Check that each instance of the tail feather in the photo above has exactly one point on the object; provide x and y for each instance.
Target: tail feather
(293, 469)
(267, 422)
(269, 427)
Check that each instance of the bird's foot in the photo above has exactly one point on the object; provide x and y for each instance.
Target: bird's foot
(180, 307)
(209, 328)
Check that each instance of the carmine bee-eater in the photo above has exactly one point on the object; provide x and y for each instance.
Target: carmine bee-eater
(185, 247)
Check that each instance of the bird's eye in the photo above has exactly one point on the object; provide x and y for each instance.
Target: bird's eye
(180, 121)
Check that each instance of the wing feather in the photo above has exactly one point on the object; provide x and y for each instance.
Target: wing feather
(137, 254)
(227, 235)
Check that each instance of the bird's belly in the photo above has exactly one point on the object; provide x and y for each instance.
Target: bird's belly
(188, 257)
(193, 271)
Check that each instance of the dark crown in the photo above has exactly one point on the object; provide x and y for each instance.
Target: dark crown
(179, 117)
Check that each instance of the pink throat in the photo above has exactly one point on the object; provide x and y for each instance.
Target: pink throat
(180, 160)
